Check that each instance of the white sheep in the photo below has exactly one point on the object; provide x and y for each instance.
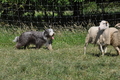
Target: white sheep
(113, 38)
(107, 36)
(94, 34)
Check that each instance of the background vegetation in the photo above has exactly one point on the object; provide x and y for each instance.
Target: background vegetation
(57, 11)
(37, 8)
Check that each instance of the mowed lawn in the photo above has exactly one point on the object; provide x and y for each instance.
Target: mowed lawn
(65, 62)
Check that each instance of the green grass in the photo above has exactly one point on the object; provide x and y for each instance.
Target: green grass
(65, 62)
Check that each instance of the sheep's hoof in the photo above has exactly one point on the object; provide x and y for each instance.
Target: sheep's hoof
(102, 55)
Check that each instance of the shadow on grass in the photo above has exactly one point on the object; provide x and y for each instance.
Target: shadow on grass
(109, 54)
(96, 55)
(22, 48)
(106, 54)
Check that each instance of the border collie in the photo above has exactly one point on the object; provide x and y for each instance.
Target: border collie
(35, 37)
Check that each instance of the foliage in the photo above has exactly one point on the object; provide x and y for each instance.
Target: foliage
(79, 0)
(25, 11)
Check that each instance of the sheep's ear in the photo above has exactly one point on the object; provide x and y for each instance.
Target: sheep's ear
(99, 23)
(108, 23)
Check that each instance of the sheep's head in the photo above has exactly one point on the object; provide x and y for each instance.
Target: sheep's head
(103, 25)
(117, 25)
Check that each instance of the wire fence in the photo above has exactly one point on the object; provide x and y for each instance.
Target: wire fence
(46, 13)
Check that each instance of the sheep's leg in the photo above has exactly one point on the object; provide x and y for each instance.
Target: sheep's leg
(101, 49)
(85, 48)
(118, 50)
(87, 40)
(105, 49)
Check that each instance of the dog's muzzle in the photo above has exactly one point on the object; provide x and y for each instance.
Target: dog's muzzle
(52, 37)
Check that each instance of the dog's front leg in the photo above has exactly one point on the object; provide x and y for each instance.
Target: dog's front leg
(49, 47)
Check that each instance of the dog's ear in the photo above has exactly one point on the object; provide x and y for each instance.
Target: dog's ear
(45, 27)
(50, 26)
(45, 33)
(45, 30)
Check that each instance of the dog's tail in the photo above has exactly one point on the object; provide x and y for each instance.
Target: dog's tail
(16, 39)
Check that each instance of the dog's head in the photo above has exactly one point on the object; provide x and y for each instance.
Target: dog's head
(104, 25)
(49, 33)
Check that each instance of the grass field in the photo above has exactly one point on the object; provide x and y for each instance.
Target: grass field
(65, 62)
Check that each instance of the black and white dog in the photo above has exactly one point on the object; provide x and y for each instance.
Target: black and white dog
(35, 37)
